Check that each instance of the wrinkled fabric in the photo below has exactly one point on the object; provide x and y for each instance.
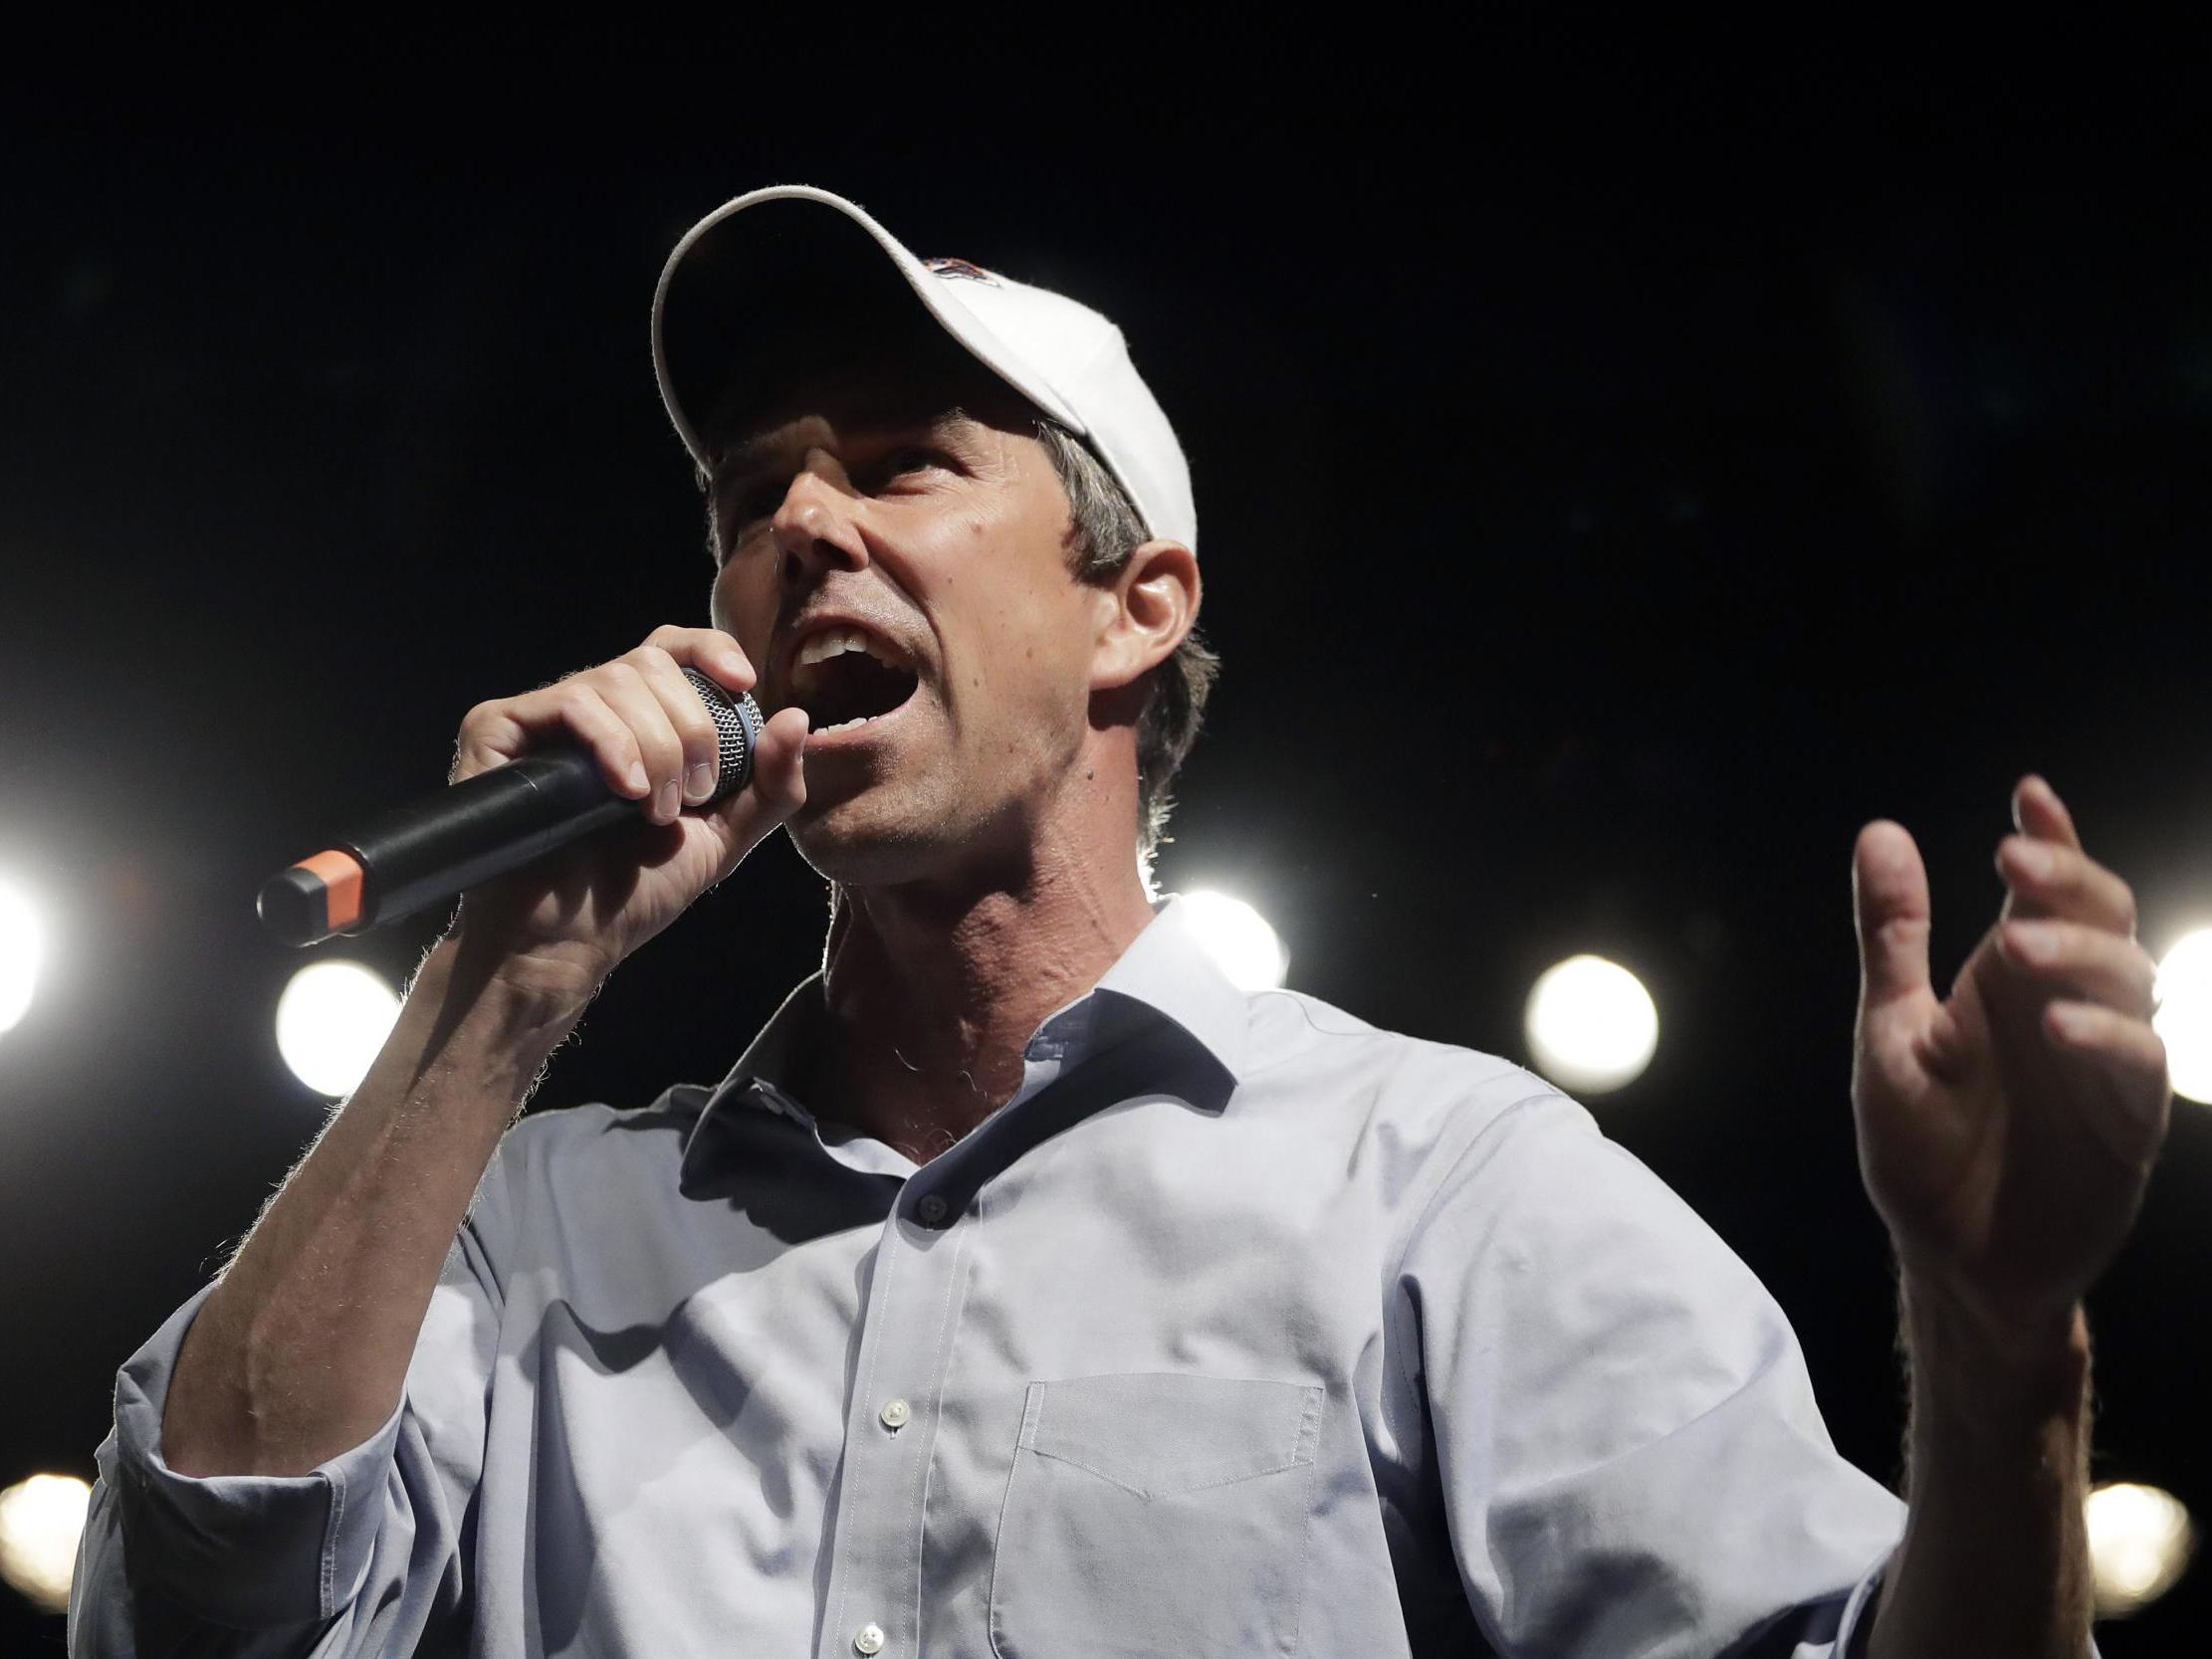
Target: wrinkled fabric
(1245, 1329)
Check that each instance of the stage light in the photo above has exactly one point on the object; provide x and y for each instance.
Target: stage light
(330, 1021)
(2185, 1016)
(22, 946)
(1238, 940)
(2140, 1541)
(40, 1519)
(1590, 1025)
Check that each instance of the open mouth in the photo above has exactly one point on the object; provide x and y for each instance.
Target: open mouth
(844, 678)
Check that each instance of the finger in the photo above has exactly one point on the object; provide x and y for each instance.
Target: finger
(1890, 899)
(775, 790)
(2127, 1050)
(635, 703)
(2088, 1029)
(490, 736)
(695, 729)
(2048, 880)
(2037, 811)
(494, 732)
(2096, 965)
(711, 651)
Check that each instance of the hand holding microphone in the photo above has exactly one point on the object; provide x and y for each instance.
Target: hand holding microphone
(630, 738)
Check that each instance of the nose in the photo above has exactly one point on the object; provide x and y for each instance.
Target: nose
(813, 529)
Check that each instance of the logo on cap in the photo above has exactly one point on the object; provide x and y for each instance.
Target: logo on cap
(962, 268)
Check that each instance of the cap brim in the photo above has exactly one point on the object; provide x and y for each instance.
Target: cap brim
(774, 276)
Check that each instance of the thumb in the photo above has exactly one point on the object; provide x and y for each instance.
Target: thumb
(776, 790)
(1889, 895)
(779, 765)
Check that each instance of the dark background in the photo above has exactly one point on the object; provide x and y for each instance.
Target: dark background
(1617, 484)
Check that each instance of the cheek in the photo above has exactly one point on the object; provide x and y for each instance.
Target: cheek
(1018, 637)
(1036, 664)
(733, 605)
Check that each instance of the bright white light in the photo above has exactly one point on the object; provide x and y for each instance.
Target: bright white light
(1590, 1025)
(1238, 940)
(2185, 1016)
(40, 1521)
(2140, 1541)
(22, 946)
(330, 1021)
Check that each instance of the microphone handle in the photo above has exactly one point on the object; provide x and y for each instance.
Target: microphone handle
(497, 821)
(434, 848)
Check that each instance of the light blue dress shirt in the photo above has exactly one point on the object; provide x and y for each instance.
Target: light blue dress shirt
(1243, 1329)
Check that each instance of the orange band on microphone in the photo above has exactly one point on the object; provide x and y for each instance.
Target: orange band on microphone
(341, 876)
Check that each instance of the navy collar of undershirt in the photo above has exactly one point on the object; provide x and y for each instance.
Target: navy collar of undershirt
(1165, 983)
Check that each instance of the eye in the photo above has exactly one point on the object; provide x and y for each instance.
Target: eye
(761, 501)
(751, 505)
(908, 458)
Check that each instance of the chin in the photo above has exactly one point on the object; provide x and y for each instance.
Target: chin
(876, 839)
(847, 843)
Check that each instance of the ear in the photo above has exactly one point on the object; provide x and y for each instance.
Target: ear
(1144, 613)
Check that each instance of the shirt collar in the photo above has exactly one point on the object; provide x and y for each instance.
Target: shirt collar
(1166, 970)
(1165, 974)
(773, 1054)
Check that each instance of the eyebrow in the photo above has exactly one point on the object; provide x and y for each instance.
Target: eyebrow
(742, 462)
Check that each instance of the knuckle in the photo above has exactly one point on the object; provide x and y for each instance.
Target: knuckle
(697, 729)
(2116, 956)
(2141, 969)
(658, 739)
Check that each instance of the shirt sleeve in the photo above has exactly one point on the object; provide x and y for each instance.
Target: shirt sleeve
(1630, 1453)
(362, 1556)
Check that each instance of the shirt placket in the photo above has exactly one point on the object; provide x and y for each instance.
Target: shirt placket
(908, 1322)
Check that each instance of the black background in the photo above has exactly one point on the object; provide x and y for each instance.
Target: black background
(1620, 475)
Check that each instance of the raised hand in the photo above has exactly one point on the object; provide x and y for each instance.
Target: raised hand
(2006, 1132)
(578, 913)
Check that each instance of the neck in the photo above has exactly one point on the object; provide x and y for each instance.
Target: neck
(934, 990)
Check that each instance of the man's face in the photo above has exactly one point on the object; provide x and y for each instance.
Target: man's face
(922, 522)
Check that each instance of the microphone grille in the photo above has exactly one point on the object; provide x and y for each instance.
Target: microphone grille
(738, 723)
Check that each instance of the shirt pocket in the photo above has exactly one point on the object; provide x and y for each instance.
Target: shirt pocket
(1149, 1515)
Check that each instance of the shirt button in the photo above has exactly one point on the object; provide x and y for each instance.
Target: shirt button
(895, 1414)
(868, 1639)
(932, 1209)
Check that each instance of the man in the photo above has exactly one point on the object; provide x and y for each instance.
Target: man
(1026, 1288)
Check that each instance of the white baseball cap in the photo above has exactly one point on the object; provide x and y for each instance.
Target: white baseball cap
(735, 288)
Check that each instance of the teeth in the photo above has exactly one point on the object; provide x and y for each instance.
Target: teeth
(834, 642)
(855, 724)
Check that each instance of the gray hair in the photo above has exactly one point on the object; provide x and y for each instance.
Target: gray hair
(1103, 530)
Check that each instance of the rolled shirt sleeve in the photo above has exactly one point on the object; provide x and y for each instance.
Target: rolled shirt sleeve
(1630, 1452)
(362, 1556)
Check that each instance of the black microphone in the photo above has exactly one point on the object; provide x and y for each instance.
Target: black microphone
(468, 833)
